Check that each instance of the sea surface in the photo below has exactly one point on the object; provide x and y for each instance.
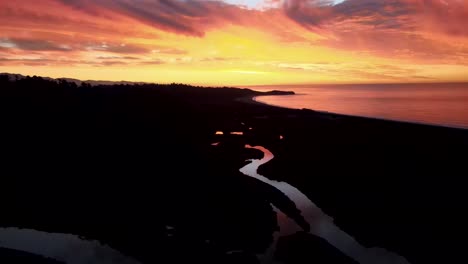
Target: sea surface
(435, 104)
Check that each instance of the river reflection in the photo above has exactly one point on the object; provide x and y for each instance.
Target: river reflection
(321, 224)
(66, 248)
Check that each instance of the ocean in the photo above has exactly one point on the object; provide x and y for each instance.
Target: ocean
(436, 104)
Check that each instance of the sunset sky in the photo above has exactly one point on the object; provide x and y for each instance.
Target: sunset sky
(237, 42)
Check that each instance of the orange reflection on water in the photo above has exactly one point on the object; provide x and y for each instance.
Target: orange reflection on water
(439, 104)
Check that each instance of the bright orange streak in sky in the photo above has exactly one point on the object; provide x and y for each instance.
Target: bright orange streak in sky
(213, 43)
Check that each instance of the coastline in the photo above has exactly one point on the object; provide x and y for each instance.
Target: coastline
(253, 99)
(340, 161)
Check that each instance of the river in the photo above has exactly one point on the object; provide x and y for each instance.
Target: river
(72, 249)
(66, 248)
(321, 224)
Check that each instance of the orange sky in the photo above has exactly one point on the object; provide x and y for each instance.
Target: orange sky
(237, 42)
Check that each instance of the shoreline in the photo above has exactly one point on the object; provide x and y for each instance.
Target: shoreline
(253, 100)
(414, 160)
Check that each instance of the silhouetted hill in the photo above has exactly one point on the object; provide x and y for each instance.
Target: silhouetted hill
(13, 76)
(119, 163)
(303, 248)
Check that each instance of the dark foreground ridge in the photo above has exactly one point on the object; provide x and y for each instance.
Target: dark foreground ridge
(15, 256)
(122, 163)
(302, 248)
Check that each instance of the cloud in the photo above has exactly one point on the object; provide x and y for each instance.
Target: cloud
(111, 63)
(168, 50)
(188, 17)
(32, 45)
(287, 36)
(320, 13)
(219, 59)
(25, 61)
(67, 20)
(116, 58)
(117, 48)
(448, 16)
(308, 13)
(152, 62)
(64, 62)
(411, 29)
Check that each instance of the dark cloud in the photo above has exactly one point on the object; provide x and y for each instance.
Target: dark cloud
(93, 20)
(152, 62)
(111, 63)
(32, 45)
(126, 49)
(116, 58)
(14, 59)
(189, 17)
(27, 62)
(117, 48)
(309, 13)
(191, 9)
(67, 62)
(431, 15)
(155, 16)
(386, 27)
(315, 13)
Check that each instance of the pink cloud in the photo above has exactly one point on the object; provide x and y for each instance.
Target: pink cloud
(403, 28)
(412, 29)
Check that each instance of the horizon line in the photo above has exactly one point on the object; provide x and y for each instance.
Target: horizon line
(243, 85)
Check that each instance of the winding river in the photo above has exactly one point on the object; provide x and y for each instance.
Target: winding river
(321, 224)
(66, 248)
(71, 249)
